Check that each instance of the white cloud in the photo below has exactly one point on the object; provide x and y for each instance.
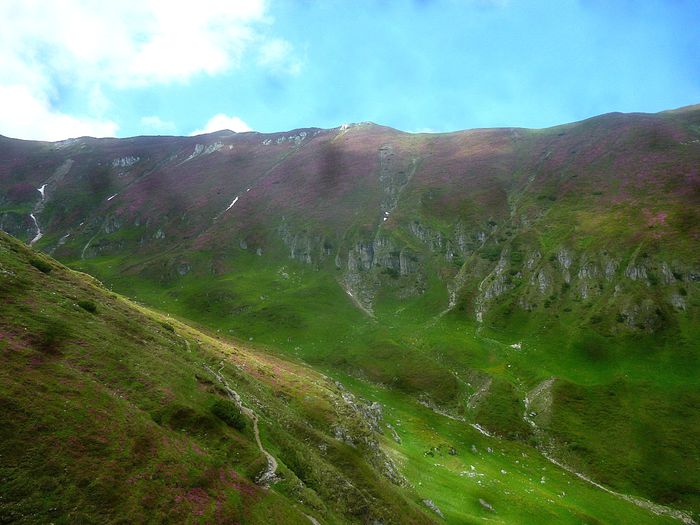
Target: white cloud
(277, 55)
(130, 42)
(82, 46)
(221, 121)
(25, 115)
(155, 123)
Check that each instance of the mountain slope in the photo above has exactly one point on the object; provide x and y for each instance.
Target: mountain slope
(539, 283)
(111, 412)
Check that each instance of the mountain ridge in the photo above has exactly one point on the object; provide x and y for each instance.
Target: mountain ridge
(681, 109)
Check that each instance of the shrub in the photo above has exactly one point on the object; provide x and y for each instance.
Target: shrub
(88, 306)
(40, 264)
(491, 252)
(167, 326)
(54, 333)
(392, 272)
(229, 413)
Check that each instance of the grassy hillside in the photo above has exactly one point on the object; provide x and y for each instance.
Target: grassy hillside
(109, 414)
(114, 413)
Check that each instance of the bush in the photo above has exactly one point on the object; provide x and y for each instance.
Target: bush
(229, 413)
(167, 326)
(392, 272)
(88, 306)
(491, 252)
(40, 265)
(54, 333)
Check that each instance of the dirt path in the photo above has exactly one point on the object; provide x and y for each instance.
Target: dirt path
(269, 475)
(313, 520)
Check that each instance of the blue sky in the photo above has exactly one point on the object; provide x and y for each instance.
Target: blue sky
(84, 67)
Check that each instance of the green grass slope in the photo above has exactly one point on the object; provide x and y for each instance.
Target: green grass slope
(109, 413)
(113, 413)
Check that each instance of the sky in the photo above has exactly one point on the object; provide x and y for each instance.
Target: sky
(70, 68)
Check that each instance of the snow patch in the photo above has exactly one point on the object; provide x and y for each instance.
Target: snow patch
(63, 239)
(110, 198)
(42, 190)
(39, 234)
(231, 205)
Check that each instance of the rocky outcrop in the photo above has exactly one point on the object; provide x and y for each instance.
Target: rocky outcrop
(112, 224)
(492, 286)
(366, 264)
(565, 260)
(17, 225)
(642, 315)
(580, 278)
(678, 301)
(636, 272)
(294, 140)
(359, 422)
(538, 404)
(302, 246)
(429, 503)
(434, 240)
(125, 162)
(460, 242)
(103, 246)
(201, 150)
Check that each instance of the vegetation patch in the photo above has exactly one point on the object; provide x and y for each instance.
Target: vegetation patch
(88, 306)
(229, 413)
(40, 265)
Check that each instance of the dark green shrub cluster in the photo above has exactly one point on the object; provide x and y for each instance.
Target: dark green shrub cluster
(88, 306)
(54, 333)
(491, 252)
(392, 272)
(167, 326)
(229, 413)
(40, 265)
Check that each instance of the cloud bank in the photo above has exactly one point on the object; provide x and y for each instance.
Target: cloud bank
(81, 47)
